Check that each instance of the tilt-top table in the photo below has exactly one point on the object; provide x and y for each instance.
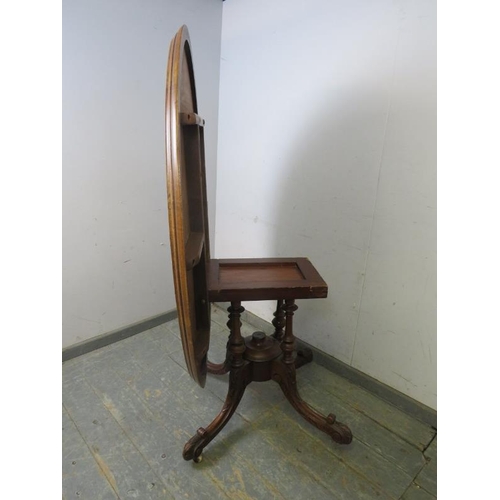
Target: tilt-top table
(200, 280)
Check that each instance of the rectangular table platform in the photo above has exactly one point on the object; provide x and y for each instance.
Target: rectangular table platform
(264, 279)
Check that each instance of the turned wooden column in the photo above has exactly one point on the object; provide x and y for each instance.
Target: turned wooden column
(288, 341)
(279, 321)
(236, 343)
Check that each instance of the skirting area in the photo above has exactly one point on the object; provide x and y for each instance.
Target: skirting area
(129, 407)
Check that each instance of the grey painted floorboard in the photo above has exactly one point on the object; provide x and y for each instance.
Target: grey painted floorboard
(366, 430)
(129, 408)
(156, 439)
(78, 465)
(427, 479)
(417, 493)
(121, 462)
(367, 463)
(415, 432)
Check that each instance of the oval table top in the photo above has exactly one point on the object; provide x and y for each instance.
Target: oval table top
(187, 205)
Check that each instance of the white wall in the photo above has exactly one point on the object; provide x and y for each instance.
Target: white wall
(116, 266)
(327, 149)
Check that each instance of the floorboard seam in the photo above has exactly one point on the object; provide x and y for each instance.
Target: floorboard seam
(91, 451)
(416, 475)
(413, 483)
(394, 463)
(423, 488)
(405, 491)
(208, 472)
(298, 464)
(430, 442)
(144, 403)
(127, 435)
(376, 421)
(356, 471)
(313, 474)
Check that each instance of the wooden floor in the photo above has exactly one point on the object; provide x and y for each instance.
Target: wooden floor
(129, 408)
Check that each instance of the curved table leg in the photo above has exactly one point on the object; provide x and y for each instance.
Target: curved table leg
(218, 368)
(238, 380)
(225, 366)
(284, 374)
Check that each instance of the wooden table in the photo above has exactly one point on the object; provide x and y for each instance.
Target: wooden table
(200, 280)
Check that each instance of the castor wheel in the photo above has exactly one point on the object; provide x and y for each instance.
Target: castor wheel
(198, 459)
